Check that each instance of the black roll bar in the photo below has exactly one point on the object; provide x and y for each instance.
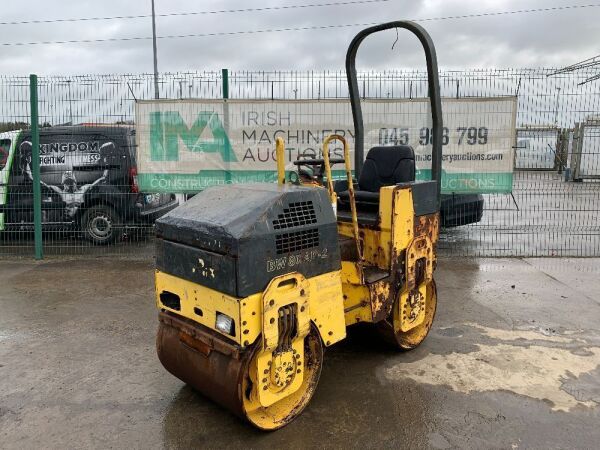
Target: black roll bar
(434, 95)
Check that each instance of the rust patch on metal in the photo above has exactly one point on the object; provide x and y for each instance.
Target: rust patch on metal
(198, 332)
(420, 255)
(428, 225)
(194, 344)
(382, 299)
(217, 373)
(360, 304)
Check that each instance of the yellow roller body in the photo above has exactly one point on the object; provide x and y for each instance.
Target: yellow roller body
(267, 371)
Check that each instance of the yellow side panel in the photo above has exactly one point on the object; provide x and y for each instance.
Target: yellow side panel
(251, 317)
(201, 304)
(377, 247)
(325, 295)
(350, 273)
(386, 202)
(356, 304)
(356, 296)
(403, 219)
(345, 229)
(376, 244)
(327, 306)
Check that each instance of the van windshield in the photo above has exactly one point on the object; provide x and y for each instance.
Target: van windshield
(4, 152)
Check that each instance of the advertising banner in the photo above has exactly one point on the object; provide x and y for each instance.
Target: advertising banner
(187, 145)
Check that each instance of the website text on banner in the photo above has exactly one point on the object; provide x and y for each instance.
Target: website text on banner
(187, 145)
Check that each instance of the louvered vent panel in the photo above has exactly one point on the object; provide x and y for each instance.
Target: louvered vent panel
(297, 240)
(295, 215)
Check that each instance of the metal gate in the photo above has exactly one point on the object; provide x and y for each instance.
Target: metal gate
(585, 158)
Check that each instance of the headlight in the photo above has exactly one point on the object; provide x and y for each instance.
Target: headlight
(225, 324)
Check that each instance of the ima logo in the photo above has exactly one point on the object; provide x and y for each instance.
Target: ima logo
(167, 129)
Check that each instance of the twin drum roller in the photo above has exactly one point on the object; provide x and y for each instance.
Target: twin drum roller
(253, 281)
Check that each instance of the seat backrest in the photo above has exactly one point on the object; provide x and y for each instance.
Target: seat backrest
(386, 166)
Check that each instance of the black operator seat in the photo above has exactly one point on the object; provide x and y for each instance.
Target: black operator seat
(387, 166)
(384, 166)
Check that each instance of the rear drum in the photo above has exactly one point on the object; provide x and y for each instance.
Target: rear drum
(410, 339)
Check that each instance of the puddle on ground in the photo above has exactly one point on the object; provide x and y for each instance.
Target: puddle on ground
(538, 371)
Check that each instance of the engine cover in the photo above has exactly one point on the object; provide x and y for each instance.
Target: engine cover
(236, 238)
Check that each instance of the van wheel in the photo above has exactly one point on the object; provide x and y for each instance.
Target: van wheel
(101, 225)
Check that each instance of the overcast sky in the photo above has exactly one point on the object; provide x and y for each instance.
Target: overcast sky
(539, 39)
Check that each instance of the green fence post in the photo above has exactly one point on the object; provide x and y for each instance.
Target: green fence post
(225, 76)
(35, 166)
(225, 81)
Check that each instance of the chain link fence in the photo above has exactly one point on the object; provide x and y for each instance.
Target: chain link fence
(91, 203)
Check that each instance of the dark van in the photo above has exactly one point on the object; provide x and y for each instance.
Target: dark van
(88, 180)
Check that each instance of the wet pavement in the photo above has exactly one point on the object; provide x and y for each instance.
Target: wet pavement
(513, 361)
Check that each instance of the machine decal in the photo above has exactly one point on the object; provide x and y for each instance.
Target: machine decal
(295, 260)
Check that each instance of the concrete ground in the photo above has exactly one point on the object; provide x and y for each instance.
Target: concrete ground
(513, 361)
